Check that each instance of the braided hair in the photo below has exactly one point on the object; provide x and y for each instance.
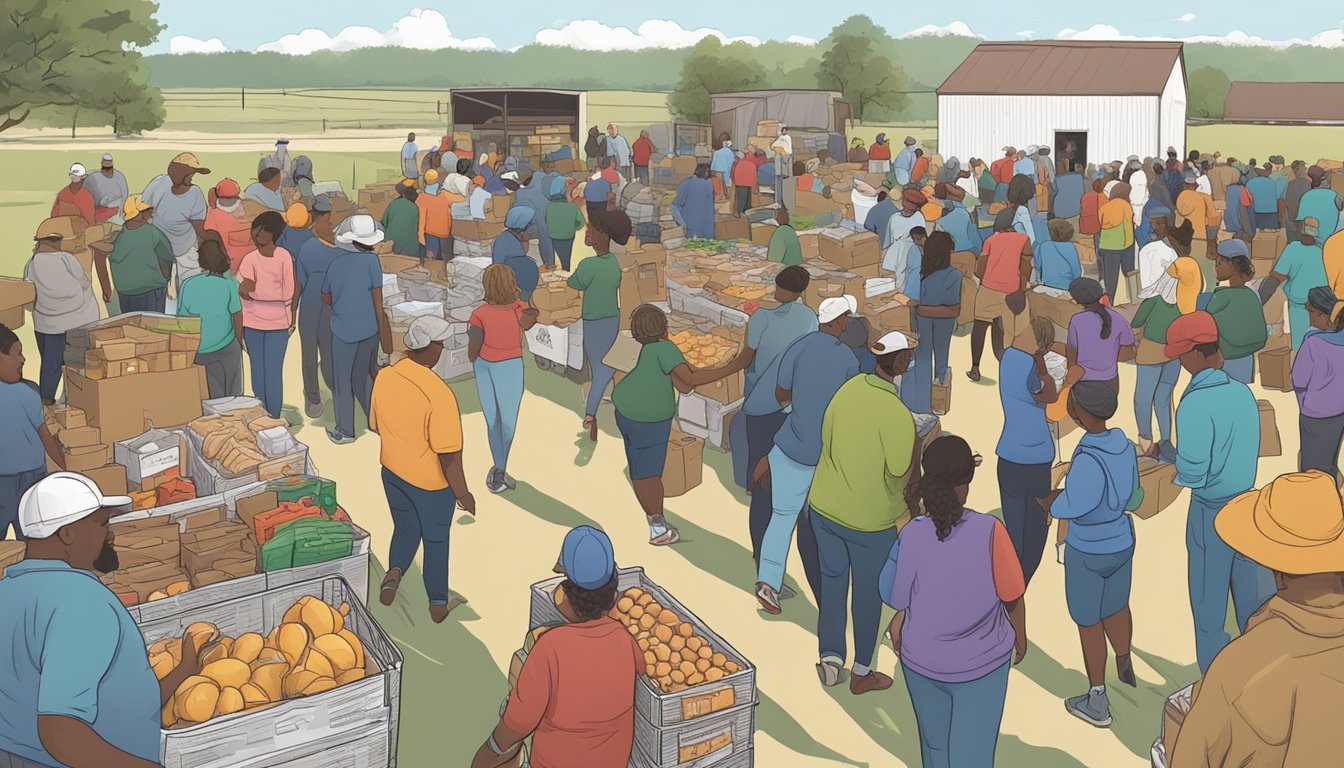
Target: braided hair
(1088, 293)
(948, 463)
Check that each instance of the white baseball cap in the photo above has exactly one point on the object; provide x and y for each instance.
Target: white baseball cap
(836, 306)
(425, 330)
(60, 499)
(892, 342)
(360, 228)
(78, 171)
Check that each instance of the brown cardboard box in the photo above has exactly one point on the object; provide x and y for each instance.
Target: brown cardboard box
(479, 231)
(159, 362)
(87, 457)
(80, 437)
(964, 262)
(556, 296)
(1276, 369)
(1060, 309)
(127, 406)
(69, 418)
(111, 479)
(560, 317)
(810, 242)
(131, 367)
(685, 464)
(1267, 245)
(116, 350)
(624, 353)
(147, 342)
(184, 342)
(11, 552)
(15, 296)
(1157, 480)
(251, 506)
(941, 402)
(153, 545)
(1269, 430)
(145, 580)
(201, 518)
(727, 390)
(394, 264)
(180, 361)
(761, 234)
(858, 250)
(728, 227)
(647, 280)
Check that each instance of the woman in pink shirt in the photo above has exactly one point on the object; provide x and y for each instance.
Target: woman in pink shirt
(266, 286)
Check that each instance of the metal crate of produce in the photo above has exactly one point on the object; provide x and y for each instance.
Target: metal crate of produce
(660, 710)
(704, 741)
(357, 720)
(741, 759)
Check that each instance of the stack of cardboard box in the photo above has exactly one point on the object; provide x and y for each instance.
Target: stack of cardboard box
(857, 252)
(16, 296)
(218, 552)
(643, 278)
(556, 302)
(376, 197)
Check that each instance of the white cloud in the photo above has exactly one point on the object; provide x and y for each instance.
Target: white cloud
(1186, 18)
(1330, 38)
(184, 44)
(422, 29)
(800, 40)
(955, 29)
(1026, 33)
(592, 35)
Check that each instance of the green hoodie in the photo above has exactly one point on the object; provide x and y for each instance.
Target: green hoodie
(1240, 319)
(563, 218)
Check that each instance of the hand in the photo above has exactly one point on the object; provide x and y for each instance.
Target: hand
(292, 326)
(467, 502)
(894, 635)
(1020, 651)
(107, 295)
(191, 655)
(760, 476)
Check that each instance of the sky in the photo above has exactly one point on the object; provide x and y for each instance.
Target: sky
(303, 26)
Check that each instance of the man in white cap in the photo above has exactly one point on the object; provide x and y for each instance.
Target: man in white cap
(861, 493)
(353, 287)
(73, 199)
(179, 212)
(417, 417)
(109, 190)
(78, 687)
(812, 369)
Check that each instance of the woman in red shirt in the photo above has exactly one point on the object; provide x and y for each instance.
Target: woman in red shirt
(1003, 268)
(744, 181)
(495, 348)
(880, 150)
(1089, 211)
(640, 156)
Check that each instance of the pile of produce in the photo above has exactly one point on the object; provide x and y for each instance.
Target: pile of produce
(703, 350)
(310, 652)
(676, 658)
(709, 246)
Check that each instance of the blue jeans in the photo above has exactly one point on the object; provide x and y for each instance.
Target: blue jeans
(598, 337)
(51, 351)
(352, 366)
(564, 250)
(420, 517)
(1153, 388)
(1213, 569)
(150, 301)
(935, 340)
(787, 497)
(266, 355)
(500, 386)
(1020, 485)
(12, 488)
(438, 248)
(315, 345)
(958, 722)
(845, 554)
(1241, 369)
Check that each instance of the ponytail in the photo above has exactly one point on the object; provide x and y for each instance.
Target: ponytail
(1105, 319)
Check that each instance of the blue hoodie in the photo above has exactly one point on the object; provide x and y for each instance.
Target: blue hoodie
(1218, 424)
(1102, 484)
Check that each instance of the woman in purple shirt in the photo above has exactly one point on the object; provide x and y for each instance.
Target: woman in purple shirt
(1099, 337)
(1318, 379)
(960, 618)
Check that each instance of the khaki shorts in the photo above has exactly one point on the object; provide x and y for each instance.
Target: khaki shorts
(991, 305)
(1150, 352)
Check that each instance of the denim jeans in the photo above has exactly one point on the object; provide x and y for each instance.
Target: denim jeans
(930, 362)
(420, 517)
(1109, 262)
(315, 345)
(1321, 440)
(1153, 388)
(564, 251)
(266, 355)
(1213, 569)
(598, 337)
(223, 370)
(438, 248)
(352, 366)
(787, 497)
(958, 722)
(500, 386)
(12, 488)
(1020, 485)
(761, 431)
(642, 173)
(1241, 369)
(845, 554)
(51, 352)
(150, 301)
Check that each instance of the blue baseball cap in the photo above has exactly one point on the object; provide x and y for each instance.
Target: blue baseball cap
(1231, 249)
(587, 557)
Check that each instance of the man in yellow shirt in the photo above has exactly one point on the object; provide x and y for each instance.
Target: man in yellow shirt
(1115, 245)
(1333, 256)
(416, 416)
(1189, 281)
(1197, 208)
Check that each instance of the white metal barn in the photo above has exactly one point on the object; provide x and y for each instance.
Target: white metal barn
(1094, 101)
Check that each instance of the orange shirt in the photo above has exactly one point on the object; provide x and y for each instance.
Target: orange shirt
(920, 170)
(576, 695)
(1002, 170)
(69, 203)
(236, 233)
(1333, 256)
(1089, 213)
(1198, 208)
(436, 215)
(1003, 268)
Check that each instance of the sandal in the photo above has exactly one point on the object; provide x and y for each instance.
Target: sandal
(672, 536)
(590, 424)
(973, 374)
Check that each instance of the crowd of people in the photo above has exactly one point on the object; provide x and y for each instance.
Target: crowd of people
(836, 465)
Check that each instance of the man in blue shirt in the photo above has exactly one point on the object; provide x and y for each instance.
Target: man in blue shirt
(1217, 448)
(266, 189)
(78, 687)
(693, 205)
(1265, 199)
(879, 216)
(310, 272)
(28, 442)
(810, 373)
(721, 162)
(956, 220)
(354, 289)
(409, 168)
(904, 163)
(770, 333)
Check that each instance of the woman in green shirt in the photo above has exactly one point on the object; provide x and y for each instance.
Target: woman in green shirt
(1240, 317)
(401, 221)
(646, 402)
(563, 221)
(599, 279)
(213, 297)
(784, 245)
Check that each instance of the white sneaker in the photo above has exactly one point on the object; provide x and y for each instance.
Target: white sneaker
(831, 673)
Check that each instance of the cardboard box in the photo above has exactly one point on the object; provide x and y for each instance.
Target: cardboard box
(150, 455)
(87, 457)
(146, 547)
(118, 368)
(761, 234)
(810, 243)
(180, 361)
(1268, 244)
(249, 507)
(624, 353)
(1158, 482)
(684, 468)
(964, 262)
(69, 418)
(111, 479)
(11, 552)
(941, 402)
(201, 518)
(145, 580)
(393, 264)
(16, 295)
(1276, 369)
(727, 227)
(479, 231)
(858, 250)
(146, 342)
(159, 362)
(125, 407)
(727, 390)
(556, 296)
(1269, 430)
(80, 437)
(116, 350)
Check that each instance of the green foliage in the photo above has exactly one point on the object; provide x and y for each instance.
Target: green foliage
(713, 247)
(865, 77)
(1208, 92)
(711, 68)
(77, 55)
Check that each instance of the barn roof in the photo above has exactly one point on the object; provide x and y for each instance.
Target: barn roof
(1065, 68)
(1285, 102)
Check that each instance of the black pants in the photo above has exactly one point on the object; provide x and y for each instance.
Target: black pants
(1321, 440)
(760, 440)
(51, 353)
(1020, 485)
(743, 199)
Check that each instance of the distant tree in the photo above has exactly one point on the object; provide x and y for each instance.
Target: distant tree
(77, 54)
(1208, 92)
(866, 77)
(710, 68)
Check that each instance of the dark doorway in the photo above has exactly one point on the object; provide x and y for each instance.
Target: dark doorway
(1070, 151)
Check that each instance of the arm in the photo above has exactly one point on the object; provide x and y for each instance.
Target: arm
(52, 448)
(423, 215)
(527, 317)
(475, 340)
(455, 474)
(507, 740)
(1271, 284)
(1024, 268)
(238, 329)
(1010, 586)
(1049, 392)
(1082, 490)
(1017, 616)
(245, 287)
(1194, 448)
(685, 379)
(74, 743)
(100, 263)
(384, 327)
(888, 578)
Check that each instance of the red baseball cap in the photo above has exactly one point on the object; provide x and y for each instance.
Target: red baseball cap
(1189, 331)
(228, 188)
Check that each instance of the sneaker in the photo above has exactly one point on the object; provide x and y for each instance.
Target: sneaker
(873, 681)
(387, 594)
(508, 480)
(1092, 708)
(768, 598)
(313, 410)
(831, 673)
(670, 536)
(338, 438)
(493, 482)
(1124, 669)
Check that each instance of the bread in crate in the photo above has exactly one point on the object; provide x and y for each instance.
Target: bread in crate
(229, 440)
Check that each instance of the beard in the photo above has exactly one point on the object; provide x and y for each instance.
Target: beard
(107, 560)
